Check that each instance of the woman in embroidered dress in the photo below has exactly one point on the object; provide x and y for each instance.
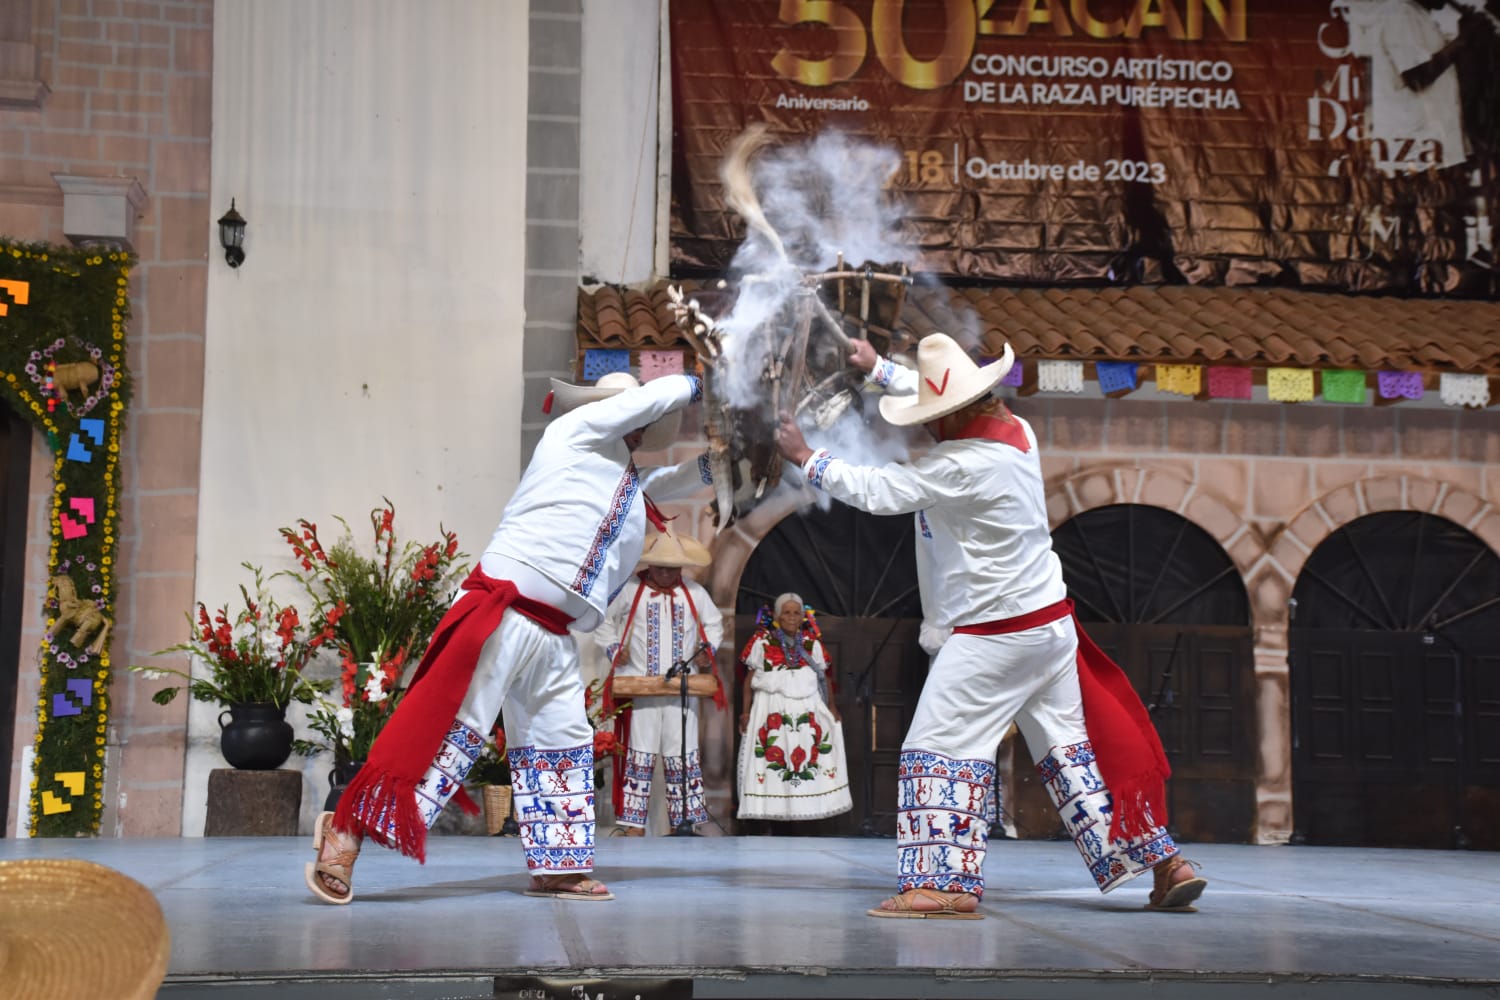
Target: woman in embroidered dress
(792, 754)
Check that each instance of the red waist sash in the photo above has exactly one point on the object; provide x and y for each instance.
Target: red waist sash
(1020, 623)
(380, 802)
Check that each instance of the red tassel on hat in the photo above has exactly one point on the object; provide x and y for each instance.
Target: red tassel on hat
(547, 403)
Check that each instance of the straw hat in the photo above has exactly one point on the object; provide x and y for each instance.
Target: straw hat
(949, 381)
(75, 929)
(668, 548)
(566, 396)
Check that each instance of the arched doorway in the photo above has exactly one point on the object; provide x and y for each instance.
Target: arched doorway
(1395, 677)
(1164, 599)
(859, 572)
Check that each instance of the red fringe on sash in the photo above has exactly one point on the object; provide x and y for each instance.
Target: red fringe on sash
(381, 802)
(1127, 749)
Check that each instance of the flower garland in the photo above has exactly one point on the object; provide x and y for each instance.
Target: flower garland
(63, 313)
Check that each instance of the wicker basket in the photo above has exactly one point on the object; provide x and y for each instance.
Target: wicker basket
(699, 686)
(497, 804)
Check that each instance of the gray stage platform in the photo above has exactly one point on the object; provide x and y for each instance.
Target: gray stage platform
(785, 918)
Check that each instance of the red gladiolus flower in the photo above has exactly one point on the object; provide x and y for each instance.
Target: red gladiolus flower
(774, 755)
(774, 720)
(798, 756)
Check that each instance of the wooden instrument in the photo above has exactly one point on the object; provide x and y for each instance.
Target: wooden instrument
(699, 686)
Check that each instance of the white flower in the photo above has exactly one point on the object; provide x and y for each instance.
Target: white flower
(345, 717)
(375, 689)
(154, 675)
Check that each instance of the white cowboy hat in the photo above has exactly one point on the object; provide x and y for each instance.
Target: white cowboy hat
(668, 548)
(566, 396)
(949, 381)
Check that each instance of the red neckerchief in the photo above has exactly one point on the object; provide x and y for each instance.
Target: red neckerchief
(1006, 430)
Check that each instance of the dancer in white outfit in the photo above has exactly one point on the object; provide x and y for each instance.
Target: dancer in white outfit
(569, 537)
(651, 628)
(986, 570)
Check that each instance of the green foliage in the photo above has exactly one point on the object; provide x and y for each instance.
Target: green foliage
(256, 657)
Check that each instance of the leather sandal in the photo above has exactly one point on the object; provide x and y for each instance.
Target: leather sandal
(555, 887)
(901, 908)
(340, 866)
(1175, 897)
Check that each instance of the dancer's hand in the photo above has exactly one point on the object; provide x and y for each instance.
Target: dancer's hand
(790, 442)
(864, 356)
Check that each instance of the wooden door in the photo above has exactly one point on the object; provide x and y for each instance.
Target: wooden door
(1395, 684)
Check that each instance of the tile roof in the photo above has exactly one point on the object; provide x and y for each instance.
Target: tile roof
(1260, 327)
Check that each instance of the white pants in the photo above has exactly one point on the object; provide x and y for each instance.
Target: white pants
(977, 686)
(656, 731)
(533, 674)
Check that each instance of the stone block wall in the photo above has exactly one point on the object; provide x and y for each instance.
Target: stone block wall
(128, 95)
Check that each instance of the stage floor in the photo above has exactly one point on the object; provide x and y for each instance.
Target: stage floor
(785, 917)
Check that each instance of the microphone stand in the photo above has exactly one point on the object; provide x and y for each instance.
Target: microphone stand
(681, 669)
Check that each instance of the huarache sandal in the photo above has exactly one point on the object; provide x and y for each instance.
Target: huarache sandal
(947, 909)
(1175, 897)
(579, 888)
(340, 866)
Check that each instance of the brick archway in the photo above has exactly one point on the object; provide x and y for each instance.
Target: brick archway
(1156, 486)
(1305, 531)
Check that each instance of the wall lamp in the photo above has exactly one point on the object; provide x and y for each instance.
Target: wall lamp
(232, 236)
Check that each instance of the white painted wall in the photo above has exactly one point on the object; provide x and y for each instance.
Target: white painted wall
(620, 148)
(371, 344)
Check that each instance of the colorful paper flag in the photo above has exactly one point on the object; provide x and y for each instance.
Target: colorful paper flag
(1059, 376)
(655, 364)
(1464, 390)
(1185, 380)
(1115, 375)
(1400, 385)
(1229, 383)
(599, 361)
(1343, 385)
(1289, 385)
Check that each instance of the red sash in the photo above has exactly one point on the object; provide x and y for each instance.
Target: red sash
(1127, 748)
(380, 803)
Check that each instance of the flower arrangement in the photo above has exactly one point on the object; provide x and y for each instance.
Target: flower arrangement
(257, 656)
(380, 611)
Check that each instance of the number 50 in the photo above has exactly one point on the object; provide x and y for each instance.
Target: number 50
(851, 43)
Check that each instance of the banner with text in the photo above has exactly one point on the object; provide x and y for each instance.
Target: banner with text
(1348, 144)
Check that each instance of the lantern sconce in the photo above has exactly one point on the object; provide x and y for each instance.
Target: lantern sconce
(232, 236)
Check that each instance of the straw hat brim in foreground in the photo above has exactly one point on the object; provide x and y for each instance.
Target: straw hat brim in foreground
(567, 396)
(75, 929)
(948, 380)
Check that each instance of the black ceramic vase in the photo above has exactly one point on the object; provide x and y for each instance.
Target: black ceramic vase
(256, 737)
(338, 780)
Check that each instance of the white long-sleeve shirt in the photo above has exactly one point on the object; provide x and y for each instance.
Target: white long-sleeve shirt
(984, 551)
(577, 518)
(663, 632)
